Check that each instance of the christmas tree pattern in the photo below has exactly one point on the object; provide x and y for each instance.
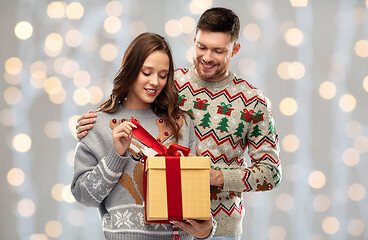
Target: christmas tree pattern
(271, 128)
(255, 131)
(239, 130)
(222, 126)
(205, 121)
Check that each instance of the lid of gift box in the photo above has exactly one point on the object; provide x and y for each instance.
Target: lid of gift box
(185, 162)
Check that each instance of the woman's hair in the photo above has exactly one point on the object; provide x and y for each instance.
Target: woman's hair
(165, 104)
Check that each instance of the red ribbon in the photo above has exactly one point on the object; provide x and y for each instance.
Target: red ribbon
(173, 175)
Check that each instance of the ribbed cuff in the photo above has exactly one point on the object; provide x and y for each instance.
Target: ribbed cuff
(115, 162)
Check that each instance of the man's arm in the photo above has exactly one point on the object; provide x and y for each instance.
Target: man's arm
(85, 123)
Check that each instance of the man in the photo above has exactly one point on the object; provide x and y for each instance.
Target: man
(230, 115)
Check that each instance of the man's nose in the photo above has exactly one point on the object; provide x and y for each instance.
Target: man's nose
(207, 56)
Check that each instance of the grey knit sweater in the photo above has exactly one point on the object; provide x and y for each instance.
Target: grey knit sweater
(114, 183)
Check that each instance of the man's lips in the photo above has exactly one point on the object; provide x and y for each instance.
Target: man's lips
(207, 65)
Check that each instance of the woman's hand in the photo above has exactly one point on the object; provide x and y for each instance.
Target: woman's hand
(198, 229)
(121, 136)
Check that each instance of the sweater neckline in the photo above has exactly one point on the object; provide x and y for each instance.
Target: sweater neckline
(139, 113)
(209, 84)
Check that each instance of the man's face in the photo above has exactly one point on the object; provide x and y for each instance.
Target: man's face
(212, 54)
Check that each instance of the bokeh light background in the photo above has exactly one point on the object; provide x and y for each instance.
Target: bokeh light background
(58, 59)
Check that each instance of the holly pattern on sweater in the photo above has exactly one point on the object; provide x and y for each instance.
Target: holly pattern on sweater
(231, 117)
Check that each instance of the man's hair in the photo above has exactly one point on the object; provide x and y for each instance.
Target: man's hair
(220, 20)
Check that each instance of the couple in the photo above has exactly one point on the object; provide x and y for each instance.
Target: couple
(214, 114)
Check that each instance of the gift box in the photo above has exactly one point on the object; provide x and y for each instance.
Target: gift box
(177, 188)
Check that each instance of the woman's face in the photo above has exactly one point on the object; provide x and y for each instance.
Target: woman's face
(150, 81)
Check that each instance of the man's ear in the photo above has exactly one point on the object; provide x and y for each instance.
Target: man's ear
(195, 37)
(236, 49)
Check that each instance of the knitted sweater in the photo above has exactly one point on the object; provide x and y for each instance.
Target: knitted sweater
(114, 183)
(231, 116)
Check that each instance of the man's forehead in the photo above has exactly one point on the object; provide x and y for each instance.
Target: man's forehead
(213, 39)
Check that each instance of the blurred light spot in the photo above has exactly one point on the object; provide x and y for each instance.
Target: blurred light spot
(52, 129)
(296, 70)
(67, 194)
(173, 28)
(294, 36)
(247, 66)
(53, 229)
(73, 38)
(26, 207)
(317, 179)
(260, 10)
(52, 85)
(137, 27)
(361, 48)
(15, 177)
(252, 32)
(188, 24)
(112, 24)
(327, 90)
(277, 233)
(284, 202)
(56, 9)
(283, 70)
(76, 217)
(75, 10)
(56, 192)
(199, 6)
(90, 43)
(108, 52)
(347, 103)
(353, 129)
(38, 66)
(53, 44)
(12, 95)
(330, 225)
(38, 79)
(82, 79)
(189, 54)
(356, 227)
(81, 96)
(356, 192)
(71, 124)
(70, 157)
(13, 66)
(360, 15)
(351, 157)
(59, 63)
(96, 94)
(361, 144)
(58, 97)
(114, 8)
(7, 117)
(22, 142)
(12, 79)
(321, 203)
(23, 30)
(290, 143)
(365, 83)
(70, 68)
(288, 106)
(299, 3)
(38, 236)
(285, 26)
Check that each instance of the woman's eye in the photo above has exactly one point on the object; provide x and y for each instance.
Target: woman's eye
(145, 74)
(163, 77)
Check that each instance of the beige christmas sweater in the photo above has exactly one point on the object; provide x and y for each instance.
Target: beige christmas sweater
(231, 119)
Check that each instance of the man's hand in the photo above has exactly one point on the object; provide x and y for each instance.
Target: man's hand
(198, 229)
(85, 123)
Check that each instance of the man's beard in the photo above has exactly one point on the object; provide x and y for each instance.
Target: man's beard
(210, 75)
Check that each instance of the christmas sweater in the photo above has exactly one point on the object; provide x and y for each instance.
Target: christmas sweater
(230, 118)
(114, 183)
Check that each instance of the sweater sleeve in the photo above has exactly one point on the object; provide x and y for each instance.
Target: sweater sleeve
(93, 180)
(263, 149)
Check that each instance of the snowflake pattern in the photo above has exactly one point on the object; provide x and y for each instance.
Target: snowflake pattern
(123, 219)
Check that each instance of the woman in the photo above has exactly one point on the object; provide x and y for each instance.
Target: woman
(107, 163)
